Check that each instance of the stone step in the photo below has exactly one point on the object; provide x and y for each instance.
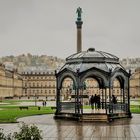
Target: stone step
(120, 115)
(95, 118)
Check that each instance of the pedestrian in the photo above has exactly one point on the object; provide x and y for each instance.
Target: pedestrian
(114, 100)
(92, 101)
(43, 103)
(98, 102)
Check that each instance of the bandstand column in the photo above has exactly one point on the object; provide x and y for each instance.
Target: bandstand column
(129, 113)
(123, 93)
(58, 101)
(57, 95)
(110, 71)
(102, 93)
(105, 99)
(77, 94)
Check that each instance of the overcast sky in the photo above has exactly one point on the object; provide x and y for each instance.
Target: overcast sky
(48, 27)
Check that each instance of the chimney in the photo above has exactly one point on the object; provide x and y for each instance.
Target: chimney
(79, 23)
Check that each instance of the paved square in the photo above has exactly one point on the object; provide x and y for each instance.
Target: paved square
(122, 129)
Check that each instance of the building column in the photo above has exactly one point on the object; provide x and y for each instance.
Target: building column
(79, 23)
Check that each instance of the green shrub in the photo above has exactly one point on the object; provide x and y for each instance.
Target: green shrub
(26, 133)
(4, 137)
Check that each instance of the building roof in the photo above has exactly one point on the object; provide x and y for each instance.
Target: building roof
(91, 58)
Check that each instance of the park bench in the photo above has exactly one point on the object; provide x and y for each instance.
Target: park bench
(53, 107)
(23, 107)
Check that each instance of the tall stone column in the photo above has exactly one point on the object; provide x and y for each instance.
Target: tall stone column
(79, 23)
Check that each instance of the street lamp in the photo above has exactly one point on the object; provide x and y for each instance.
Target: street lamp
(139, 84)
(35, 99)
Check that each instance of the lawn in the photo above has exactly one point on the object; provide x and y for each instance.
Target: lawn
(10, 112)
(135, 108)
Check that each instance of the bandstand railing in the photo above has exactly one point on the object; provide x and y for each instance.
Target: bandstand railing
(117, 108)
(67, 107)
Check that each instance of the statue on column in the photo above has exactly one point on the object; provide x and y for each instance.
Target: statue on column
(79, 12)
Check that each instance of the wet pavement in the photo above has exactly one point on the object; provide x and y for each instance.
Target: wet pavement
(121, 129)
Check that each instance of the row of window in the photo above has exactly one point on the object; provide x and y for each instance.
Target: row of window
(45, 84)
(42, 91)
(40, 77)
(38, 73)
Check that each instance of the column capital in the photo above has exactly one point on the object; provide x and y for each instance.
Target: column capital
(79, 24)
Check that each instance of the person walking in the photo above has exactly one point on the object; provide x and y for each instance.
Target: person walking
(45, 103)
(96, 101)
(92, 102)
(114, 100)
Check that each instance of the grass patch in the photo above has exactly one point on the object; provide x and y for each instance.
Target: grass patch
(11, 113)
(135, 110)
(87, 107)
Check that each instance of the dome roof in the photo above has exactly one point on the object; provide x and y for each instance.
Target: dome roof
(92, 58)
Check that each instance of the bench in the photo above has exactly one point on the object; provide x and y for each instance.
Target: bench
(23, 107)
(53, 107)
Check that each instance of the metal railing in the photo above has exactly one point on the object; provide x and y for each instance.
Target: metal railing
(68, 107)
(117, 108)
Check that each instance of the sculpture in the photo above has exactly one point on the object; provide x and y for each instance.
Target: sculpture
(79, 12)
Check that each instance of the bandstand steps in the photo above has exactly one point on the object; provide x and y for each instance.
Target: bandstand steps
(120, 115)
(94, 118)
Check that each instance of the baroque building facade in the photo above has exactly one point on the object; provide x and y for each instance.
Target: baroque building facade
(11, 83)
(38, 83)
(43, 83)
(135, 83)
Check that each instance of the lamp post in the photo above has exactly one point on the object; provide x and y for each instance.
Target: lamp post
(35, 100)
(139, 84)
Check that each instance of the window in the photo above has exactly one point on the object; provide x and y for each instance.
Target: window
(49, 91)
(29, 84)
(49, 84)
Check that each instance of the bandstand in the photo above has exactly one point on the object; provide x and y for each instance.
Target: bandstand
(87, 73)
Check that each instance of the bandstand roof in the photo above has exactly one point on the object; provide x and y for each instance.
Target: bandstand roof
(91, 59)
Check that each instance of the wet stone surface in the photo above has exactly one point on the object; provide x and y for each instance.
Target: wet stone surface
(121, 129)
